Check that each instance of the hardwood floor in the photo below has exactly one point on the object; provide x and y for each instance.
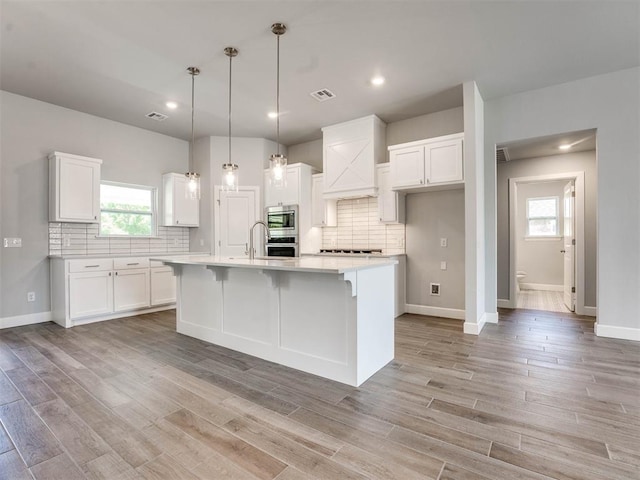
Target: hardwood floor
(536, 396)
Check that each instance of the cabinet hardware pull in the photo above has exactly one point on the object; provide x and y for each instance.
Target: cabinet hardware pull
(95, 217)
(136, 263)
(421, 181)
(91, 266)
(109, 273)
(116, 273)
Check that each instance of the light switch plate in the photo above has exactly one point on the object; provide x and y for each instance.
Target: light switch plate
(443, 242)
(13, 242)
(443, 265)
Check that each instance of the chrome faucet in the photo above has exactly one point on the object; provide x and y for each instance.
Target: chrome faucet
(251, 252)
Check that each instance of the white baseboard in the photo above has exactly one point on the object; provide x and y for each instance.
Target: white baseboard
(623, 333)
(22, 320)
(475, 328)
(434, 311)
(542, 286)
(502, 303)
(590, 311)
(492, 317)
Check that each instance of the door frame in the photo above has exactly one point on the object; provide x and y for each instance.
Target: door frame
(579, 209)
(215, 228)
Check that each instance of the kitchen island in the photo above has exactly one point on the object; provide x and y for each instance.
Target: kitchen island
(332, 317)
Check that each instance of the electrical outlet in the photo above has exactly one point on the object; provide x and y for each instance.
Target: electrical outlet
(66, 240)
(31, 296)
(13, 242)
(443, 265)
(443, 242)
(435, 288)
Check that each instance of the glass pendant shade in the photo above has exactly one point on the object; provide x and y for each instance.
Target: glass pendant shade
(230, 177)
(278, 170)
(193, 186)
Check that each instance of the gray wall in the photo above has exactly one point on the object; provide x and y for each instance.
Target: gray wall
(426, 126)
(570, 162)
(608, 103)
(30, 131)
(308, 152)
(540, 257)
(430, 217)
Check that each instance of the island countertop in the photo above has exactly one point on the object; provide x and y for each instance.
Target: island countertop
(312, 264)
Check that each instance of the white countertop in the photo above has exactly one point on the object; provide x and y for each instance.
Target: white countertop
(157, 256)
(314, 264)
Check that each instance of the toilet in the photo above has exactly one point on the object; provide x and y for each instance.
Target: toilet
(520, 274)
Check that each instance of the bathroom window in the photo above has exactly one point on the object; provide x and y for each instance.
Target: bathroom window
(127, 210)
(542, 217)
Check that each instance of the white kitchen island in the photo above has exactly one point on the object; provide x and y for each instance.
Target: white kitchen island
(332, 317)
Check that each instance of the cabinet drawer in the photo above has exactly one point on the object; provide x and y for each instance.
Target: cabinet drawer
(90, 265)
(156, 264)
(130, 262)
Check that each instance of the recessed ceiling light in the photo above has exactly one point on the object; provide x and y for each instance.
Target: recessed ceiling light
(377, 81)
(566, 146)
(171, 105)
(272, 115)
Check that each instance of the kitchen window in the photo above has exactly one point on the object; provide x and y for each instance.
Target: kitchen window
(127, 210)
(542, 217)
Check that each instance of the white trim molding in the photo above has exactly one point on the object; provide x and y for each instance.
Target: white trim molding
(589, 311)
(475, 328)
(504, 303)
(622, 333)
(492, 317)
(542, 287)
(28, 319)
(435, 311)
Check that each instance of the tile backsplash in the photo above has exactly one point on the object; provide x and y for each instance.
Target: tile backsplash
(359, 228)
(82, 239)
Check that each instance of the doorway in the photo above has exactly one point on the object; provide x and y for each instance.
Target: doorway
(557, 236)
(547, 242)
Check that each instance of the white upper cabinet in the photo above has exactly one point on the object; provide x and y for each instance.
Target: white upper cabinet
(289, 194)
(323, 212)
(179, 211)
(74, 188)
(351, 151)
(391, 204)
(427, 163)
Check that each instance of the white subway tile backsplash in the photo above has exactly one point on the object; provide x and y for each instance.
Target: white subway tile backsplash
(83, 239)
(359, 227)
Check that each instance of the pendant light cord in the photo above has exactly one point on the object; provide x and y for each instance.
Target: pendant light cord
(193, 82)
(278, 95)
(230, 59)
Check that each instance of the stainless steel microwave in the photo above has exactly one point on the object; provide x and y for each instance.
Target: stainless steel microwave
(282, 220)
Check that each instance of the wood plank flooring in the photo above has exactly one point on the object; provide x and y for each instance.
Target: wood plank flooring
(535, 396)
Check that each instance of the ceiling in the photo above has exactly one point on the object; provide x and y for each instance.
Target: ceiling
(123, 59)
(580, 141)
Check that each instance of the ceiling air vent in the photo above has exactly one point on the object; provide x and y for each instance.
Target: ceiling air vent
(158, 117)
(323, 95)
(502, 155)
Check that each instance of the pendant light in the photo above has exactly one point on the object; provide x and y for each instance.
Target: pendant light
(230, 169)
(277, 161)
(193, 179)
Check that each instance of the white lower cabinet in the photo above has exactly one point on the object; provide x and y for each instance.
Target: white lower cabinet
(90, 290)
(163, 286)
(131, 289)
(90, 293)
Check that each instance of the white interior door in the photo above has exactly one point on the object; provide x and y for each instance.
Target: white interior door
(568, 247)
(235, 213)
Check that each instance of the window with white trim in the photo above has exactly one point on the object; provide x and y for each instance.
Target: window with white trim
(127, 210)
(542, 216)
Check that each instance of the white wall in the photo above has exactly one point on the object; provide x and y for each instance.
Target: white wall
(540, 258)
(30, 131)
(608, 103)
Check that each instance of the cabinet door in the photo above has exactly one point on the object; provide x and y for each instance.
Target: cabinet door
(186, 210)
(90, 294)
(78, 190)
(443, 161)
(289, 194)
(323, 212)
(163, 286)
(388, 205)
(131, 289)
(407, 167)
